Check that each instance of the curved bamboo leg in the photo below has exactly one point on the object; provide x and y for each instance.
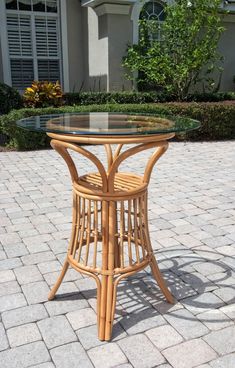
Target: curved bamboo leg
(59, 280)
(153, 263)
(159, 278)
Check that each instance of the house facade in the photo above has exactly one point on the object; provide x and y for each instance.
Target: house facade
(82, 43)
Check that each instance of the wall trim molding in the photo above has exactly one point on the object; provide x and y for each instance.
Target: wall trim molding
(95, 3)
(112, 9)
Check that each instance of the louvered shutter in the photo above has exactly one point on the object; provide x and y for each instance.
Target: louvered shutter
(20, 49)
(49, 70)
(34, 52)
(47, 46)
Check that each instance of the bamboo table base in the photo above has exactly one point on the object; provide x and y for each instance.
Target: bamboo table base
(110, 237)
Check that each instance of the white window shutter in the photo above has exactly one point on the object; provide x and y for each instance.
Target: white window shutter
(49, 70)
(22, 73)
(34, 52)
(47, 44)
(19, 35)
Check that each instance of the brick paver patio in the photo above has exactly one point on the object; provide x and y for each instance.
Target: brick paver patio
(192, 224)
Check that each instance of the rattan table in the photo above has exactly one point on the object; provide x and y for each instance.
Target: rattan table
(110, 237)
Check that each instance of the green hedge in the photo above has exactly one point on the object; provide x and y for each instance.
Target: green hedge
(9, 99)
(218, 120)
(99, 98)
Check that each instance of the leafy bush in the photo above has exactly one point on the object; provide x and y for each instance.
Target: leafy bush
(9, 99)
(90, 98)
(43, 94)
(218, 120)
(182, 52)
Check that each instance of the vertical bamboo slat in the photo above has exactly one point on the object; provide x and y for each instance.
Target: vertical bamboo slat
(129, 233)
(81, 235)
(122, 232)
(136, 231)
(141, 227)
(95, 233)
(88, 233)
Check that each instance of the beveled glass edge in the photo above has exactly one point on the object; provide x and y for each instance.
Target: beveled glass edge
(173, 117)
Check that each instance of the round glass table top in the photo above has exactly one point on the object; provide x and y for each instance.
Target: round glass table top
(107, 123)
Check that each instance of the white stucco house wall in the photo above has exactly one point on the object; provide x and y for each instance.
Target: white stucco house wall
(81, 43)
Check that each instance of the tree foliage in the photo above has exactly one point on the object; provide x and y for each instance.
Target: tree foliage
(186, 52)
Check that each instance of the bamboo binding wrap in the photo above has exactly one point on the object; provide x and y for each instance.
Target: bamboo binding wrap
(110, 237)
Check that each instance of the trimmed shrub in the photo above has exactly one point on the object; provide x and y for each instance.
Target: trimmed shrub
(218, 120)
(90, 98)
(9, 99)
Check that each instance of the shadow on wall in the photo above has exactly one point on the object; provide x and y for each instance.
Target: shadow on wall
(102, 27)
(98, 83)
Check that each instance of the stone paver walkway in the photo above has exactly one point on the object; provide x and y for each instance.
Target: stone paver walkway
(192, 224)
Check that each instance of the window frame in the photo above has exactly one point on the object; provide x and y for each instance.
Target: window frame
(157, 21)
(62, 40)
(135, 15)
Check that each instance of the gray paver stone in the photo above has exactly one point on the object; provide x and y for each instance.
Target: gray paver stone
(27, 274)
(56, 331)
(141, 321)
(202, 303)
(36, 292)
(100, 356)
(164, 336)
(141, 352)
(25, 356)
(189, 354)
(217, 339)
(16, 250)
(227, 361)
(227, 294)
(65, 305)
(9, 264)
(9, 287)
(24, 315)
(9, 239)
(7, 275)
(208, 268)
(88, 337)
(229, 310)
(24, 334)
(50, 266)
(38, 257)
(82, 318)
(215, 319)
(186, 324)
(13, 301)
(68, 356)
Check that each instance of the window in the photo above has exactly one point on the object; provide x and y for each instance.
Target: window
(33, 41)
(153, 13)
